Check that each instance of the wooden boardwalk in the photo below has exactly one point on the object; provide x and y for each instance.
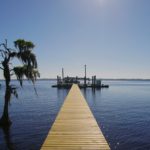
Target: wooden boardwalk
(75, 127)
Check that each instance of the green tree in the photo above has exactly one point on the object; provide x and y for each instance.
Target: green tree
(28, 69)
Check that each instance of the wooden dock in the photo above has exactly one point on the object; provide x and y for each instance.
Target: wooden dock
(75, 127)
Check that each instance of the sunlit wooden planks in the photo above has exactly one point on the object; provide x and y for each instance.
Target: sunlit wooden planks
(75, 127)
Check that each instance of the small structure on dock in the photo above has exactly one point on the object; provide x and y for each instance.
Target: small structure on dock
(83, 82)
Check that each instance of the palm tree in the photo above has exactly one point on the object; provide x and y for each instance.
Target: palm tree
(28, 69)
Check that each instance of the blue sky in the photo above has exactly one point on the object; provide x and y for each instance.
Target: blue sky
(111, 36)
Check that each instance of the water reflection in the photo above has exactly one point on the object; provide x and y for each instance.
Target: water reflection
(91, 95)
(85, 92)
(7, 138)
(62, 93)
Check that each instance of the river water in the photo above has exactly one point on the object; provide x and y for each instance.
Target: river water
(122, 112)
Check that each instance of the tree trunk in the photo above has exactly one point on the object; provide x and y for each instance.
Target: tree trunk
(5, 120)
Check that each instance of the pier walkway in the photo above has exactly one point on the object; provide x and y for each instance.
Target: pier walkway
(75, 127)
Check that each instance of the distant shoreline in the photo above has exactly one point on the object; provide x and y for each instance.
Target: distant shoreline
(109, 79)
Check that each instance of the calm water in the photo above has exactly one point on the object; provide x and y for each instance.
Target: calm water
(122, 111)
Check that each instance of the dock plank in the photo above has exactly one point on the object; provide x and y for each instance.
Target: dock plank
(75, 127)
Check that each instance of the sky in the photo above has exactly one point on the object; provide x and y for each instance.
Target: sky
(112, 37)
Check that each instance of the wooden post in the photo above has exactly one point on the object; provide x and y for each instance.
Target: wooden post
(62, 73)
(57, 80)
(94, 81)
(85, 76)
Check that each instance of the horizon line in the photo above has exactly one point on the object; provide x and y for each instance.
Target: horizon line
(97, 78)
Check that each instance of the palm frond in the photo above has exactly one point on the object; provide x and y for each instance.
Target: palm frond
(19, 72)
(23, 45)
(28, 72)
(28, 58)
(19, 44)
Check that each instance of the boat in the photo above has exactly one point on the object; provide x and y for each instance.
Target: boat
(82, 82)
